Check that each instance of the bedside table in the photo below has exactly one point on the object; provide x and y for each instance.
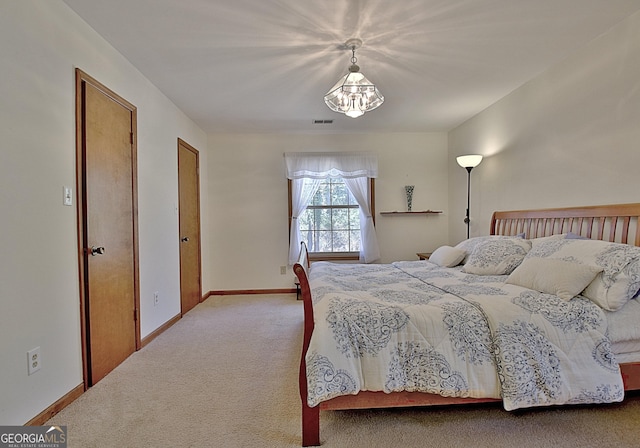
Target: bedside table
(423, 255)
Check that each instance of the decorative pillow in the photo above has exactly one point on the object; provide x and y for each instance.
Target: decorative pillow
(544, 239)
(447, 256)
(559, 277)
(575, 236)
(619, 280)
(497, 256)
(471, 243)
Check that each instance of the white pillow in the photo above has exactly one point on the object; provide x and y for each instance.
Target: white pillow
(619, 280)
(447, 256)
(498, 256)
(561, 278)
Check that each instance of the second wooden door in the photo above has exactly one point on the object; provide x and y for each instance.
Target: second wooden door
(189, 213)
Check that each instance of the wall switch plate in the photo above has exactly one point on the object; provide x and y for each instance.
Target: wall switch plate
(34, 363)
(156, 298)
(67, 195)
(283, 270)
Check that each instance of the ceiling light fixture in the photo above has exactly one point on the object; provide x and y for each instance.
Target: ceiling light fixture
(353, 94)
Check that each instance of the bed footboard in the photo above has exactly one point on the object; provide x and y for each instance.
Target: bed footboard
(310, 416)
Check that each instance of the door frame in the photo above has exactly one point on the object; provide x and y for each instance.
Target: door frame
(197, 155)
(80, 79)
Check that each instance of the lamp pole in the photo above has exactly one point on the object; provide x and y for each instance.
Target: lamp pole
(467, 219)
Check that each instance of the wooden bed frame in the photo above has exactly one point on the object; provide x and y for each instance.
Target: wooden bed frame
(614, 223)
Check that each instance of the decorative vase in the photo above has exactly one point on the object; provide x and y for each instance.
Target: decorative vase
(409, 190)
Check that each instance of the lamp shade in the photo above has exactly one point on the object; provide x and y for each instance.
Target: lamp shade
(469, 161)
(353, 95)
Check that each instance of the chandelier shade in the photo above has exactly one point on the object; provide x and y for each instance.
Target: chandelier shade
(353, 94)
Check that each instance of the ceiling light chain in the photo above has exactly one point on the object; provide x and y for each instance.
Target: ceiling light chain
(353, 94)
(354, 59)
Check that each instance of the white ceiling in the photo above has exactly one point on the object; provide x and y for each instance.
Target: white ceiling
(265, 65)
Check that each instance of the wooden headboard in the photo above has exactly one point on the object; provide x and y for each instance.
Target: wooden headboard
(615, 223)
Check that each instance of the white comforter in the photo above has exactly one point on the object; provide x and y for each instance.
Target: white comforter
(413, 326)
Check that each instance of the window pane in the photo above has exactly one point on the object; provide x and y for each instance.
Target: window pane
(339, 194)
(341, 241)
(355, 241)
(354, 219)
(340, 219)
(323, 219)
(324, 242)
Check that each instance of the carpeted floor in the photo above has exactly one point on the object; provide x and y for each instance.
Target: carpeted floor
(226, 375)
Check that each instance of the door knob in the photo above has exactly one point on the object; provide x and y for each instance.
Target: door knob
(184, 239)
(96, 250)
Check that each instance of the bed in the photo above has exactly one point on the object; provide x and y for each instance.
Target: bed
(540, 312)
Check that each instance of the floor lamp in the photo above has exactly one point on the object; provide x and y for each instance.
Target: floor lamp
(469, 162)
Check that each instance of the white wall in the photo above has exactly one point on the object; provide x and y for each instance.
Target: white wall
(248, 193)
(569, 137)
(41, 43)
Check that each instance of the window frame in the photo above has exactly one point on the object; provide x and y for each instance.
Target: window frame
(336, 256)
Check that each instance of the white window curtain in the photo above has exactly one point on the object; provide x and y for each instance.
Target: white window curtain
(355, 168)
(369, 250)
(320, 165)
(302, 190)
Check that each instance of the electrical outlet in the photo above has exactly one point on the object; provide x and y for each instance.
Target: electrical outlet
(156, 298)
(283, 270)
(34, 363)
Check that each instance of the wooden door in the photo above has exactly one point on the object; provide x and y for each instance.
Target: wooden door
(189, 211)
(108, 228)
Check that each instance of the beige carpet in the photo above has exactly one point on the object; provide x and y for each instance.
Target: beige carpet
(226, 376)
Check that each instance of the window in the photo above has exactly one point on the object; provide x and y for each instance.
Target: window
(331, 205)
(331, 222)
(330, 225)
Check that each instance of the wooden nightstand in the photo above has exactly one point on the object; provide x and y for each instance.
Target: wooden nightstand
(423, 255)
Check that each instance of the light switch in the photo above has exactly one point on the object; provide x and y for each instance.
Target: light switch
(67, 198)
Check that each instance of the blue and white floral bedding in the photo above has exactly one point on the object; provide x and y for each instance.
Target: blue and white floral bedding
(415, 326)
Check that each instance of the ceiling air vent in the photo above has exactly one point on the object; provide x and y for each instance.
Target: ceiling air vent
(322, 121)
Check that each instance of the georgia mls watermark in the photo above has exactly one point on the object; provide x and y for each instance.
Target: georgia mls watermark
(33, 437)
